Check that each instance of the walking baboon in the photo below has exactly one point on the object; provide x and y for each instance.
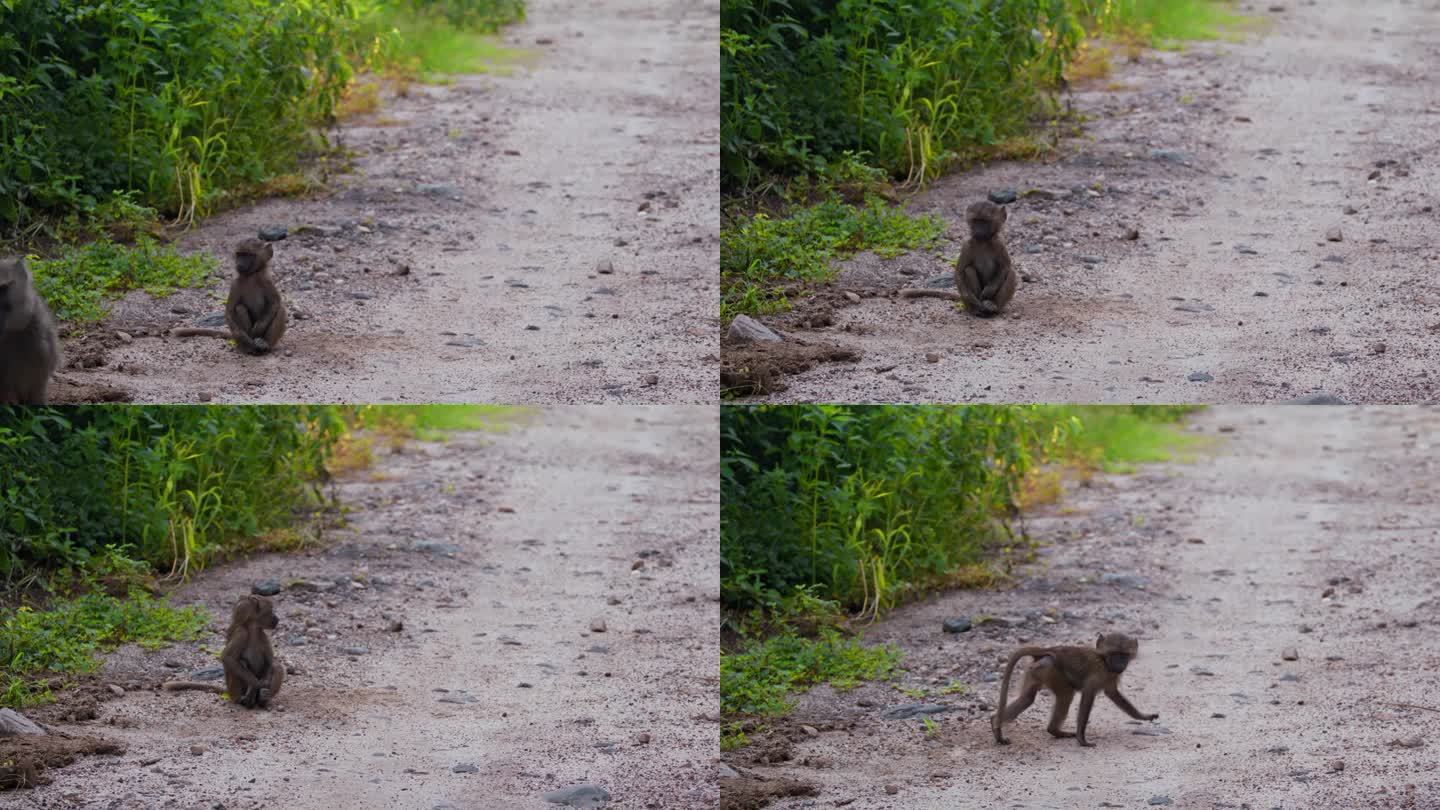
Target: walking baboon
(254, 311)
(252, 673)
(29, 348)
(1065, 671)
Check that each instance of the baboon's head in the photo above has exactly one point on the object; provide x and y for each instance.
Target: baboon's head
(14, 287)
(252, 256)
(255, 611)
(1117, 649)
(985, 219)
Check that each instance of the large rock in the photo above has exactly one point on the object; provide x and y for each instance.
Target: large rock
(13, 722)
(745, 329)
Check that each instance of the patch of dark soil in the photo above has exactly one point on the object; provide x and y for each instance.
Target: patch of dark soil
(69, 392)
(753, 792)
(757, 368)
(45, 751)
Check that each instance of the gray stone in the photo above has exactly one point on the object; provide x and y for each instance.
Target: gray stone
(1200, 376)
(215, 320)
(355, 650)
(745, 329)
(436, 547)
(1003, 196)
(13, 722)
(960, 625)
(909, 710)
(581, 795)
(1170, 155)
(1160, 800)
(273, 233)
(266, 587)
(208, 674)
(1316, 399)
(465, 767)
(945, 282)
(1125, 580)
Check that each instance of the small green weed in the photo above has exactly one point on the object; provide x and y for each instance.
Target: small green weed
(759, 680)
(63, 639)
(760, 255)
(932, 728)
(77, 284)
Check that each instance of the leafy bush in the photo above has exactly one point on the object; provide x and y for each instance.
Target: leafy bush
(909, 81)
(174, 486)
(871, 503)
(180, 101)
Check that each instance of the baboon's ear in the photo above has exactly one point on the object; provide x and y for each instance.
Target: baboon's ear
(1004, 213)
(1100, 639)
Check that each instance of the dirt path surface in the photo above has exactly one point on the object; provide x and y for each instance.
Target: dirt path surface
(497, 554)
(1232, 162)
(1311, 528)
(461, 259)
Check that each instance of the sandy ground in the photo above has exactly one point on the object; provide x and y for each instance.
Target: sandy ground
(496, 552)
(1232, 161)
(459, 260)
(1312, 528)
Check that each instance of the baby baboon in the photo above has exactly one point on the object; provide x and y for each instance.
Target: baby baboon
(254, 312)
(29, 350)
(252, 673)
(1065, 671)
(984, 275)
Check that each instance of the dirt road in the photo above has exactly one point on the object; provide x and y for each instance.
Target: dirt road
(461, 259)
(499, 555)
(1311, 528)
(1233, 162)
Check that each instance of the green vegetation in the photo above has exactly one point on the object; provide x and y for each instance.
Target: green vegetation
(78, 284)
(1167, 23)
(871, 505)
(96, 502)
(173, 486)
(436, 41)
(909, 83)
(179, 105)
(915, 86)
(61, 642)
(834, 509)
(760, 256)
(802, 646)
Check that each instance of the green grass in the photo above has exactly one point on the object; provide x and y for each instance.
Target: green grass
(1168, 23)
(434, 47)
(760, 679)
(64, 638)
(435, 422)
(1116, 439)
(760, 256)
(79, 283)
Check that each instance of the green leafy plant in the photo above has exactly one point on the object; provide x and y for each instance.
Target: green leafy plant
(760, 256)
(78, 284)
(63, 639)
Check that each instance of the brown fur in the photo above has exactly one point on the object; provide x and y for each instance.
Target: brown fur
(984, 274)
(29, 348)
(1065, 671)
(254, 310)
(253, 674)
